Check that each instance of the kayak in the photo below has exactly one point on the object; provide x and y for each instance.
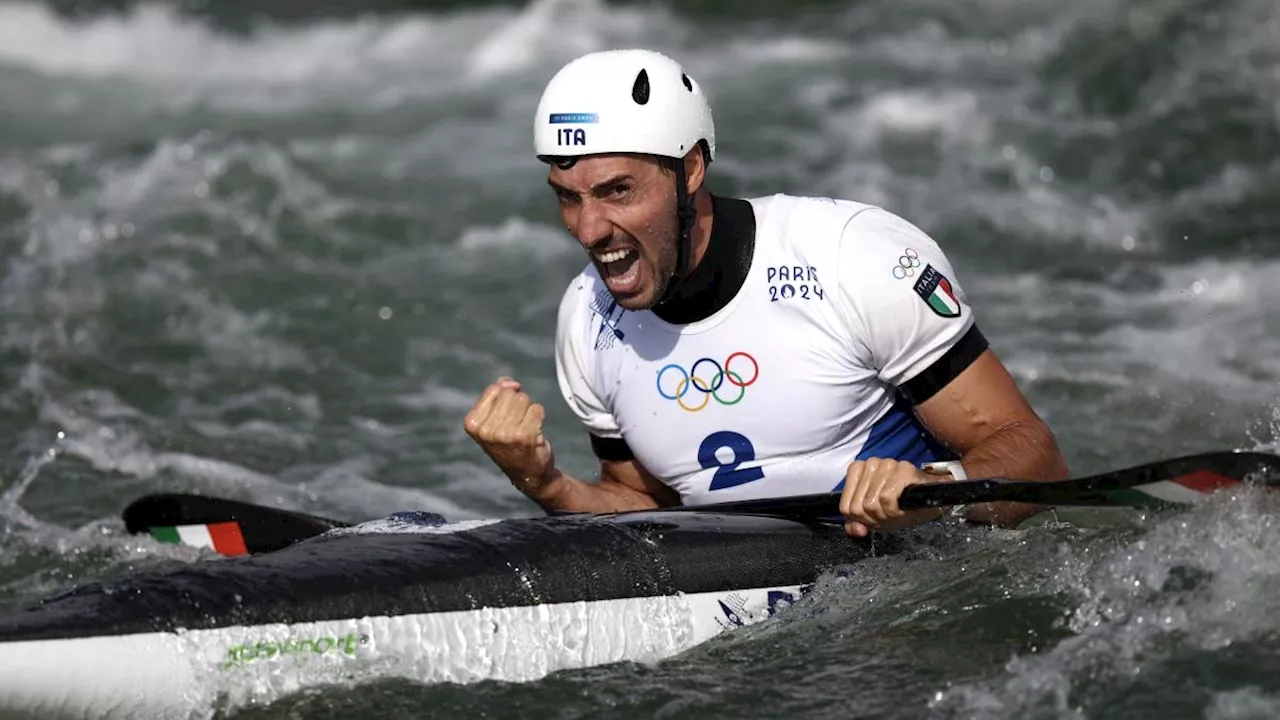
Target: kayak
(513, 600)
(299, 601)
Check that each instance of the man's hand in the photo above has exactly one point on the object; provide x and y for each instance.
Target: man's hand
(508, 427)
(871, 491)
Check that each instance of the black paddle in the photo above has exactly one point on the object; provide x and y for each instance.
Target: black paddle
(1176, 481)
(193, 519)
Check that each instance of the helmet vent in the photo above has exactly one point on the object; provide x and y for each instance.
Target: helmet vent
(688, 85)
(640, 90)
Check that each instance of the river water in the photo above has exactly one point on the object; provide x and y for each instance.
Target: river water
(259, 252)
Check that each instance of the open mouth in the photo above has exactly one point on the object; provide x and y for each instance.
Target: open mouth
(620, 269)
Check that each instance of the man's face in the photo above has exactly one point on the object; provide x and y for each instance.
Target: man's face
(621, 208)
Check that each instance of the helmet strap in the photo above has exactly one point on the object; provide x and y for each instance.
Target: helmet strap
(686, 214)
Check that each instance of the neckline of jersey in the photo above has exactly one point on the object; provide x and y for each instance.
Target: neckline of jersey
(724, 271)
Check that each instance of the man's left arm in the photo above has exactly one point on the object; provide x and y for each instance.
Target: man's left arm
(983, 415)
(909, 318)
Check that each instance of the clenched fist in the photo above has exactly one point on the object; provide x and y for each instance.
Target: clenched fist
(871, 491)
(508, 427)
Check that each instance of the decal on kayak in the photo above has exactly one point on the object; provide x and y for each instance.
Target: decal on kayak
(738, 612)
(734, 608)
(299, 648)
(224, 537)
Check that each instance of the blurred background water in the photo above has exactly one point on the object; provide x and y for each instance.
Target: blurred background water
(274, 250)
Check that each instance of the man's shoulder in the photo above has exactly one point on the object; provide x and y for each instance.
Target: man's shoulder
(816, 207)
(818, 221)
(888, 264)
(878, 236)
(865, 232)
(874, 249)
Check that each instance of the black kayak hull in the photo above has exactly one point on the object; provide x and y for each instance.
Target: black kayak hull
(428, 604)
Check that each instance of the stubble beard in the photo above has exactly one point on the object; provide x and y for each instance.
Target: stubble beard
(661, 270)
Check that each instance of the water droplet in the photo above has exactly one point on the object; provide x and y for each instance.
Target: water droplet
(385, 312)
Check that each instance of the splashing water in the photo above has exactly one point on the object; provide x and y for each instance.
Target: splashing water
(280, 263)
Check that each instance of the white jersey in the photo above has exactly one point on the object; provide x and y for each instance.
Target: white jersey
(798, 375)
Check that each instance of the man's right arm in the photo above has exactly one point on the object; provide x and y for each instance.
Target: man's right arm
(622, 485)
(507, 425)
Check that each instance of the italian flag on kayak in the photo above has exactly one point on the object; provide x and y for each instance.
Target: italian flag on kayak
(935, 289)
(224, 537)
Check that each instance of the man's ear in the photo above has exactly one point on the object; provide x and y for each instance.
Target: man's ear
(695, 168)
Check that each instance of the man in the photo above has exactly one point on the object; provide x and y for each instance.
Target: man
(721, 349)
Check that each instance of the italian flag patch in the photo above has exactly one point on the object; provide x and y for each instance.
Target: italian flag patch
(224, 537)
(936, 291)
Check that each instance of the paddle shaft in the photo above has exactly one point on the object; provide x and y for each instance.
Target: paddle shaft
(914, 497)
(1206, 470)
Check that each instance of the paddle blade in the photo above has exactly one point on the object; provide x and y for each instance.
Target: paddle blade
(229, 527)
(1172, 482)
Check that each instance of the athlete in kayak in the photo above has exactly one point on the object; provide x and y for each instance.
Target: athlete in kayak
(723, 349)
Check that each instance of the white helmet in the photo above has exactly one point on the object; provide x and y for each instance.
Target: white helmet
(637, 101)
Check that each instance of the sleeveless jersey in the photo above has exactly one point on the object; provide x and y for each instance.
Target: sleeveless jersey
(798, 375)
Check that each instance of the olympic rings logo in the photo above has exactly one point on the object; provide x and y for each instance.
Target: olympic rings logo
(709, 388)
(907, 264)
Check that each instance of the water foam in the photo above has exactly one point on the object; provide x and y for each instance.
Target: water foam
(1199, 582)
(517, 235)
(1155, 336)
(394, 525)
(154, 41)
(367, 63)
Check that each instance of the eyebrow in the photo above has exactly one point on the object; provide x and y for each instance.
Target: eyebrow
(595, 189)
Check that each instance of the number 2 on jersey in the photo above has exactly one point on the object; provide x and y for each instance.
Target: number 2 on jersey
(728, 474)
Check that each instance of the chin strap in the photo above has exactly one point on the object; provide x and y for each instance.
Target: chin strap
(687, 214)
